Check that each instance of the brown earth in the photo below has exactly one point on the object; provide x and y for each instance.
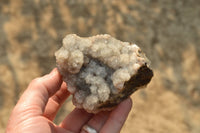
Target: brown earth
(167, 31)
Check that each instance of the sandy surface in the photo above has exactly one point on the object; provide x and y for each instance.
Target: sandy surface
(167, 31)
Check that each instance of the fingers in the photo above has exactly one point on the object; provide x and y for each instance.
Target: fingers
(38, 92)
(117, 117)
(56, 101)
(98, 120)
(106, 122)
(75, 120)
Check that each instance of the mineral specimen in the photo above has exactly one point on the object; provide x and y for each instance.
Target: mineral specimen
(101, 71)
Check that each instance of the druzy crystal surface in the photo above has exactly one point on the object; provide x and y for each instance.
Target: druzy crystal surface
(101, 71)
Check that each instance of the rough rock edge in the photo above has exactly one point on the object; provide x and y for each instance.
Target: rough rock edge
(137, 81)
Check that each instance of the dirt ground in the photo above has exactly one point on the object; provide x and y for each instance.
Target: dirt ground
(167, 31)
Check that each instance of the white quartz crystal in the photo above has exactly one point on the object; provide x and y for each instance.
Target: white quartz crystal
(95, 68)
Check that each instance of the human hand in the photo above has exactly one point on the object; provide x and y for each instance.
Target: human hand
(39, 104)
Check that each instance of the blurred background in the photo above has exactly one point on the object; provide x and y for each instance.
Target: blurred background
(167, 31)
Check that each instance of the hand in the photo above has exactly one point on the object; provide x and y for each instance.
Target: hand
(37, 108)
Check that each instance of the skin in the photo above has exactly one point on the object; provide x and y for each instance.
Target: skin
(39, 104)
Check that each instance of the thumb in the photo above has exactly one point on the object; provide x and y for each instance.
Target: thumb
(38, 92)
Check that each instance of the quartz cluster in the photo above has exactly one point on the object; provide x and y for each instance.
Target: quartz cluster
(101, 71)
